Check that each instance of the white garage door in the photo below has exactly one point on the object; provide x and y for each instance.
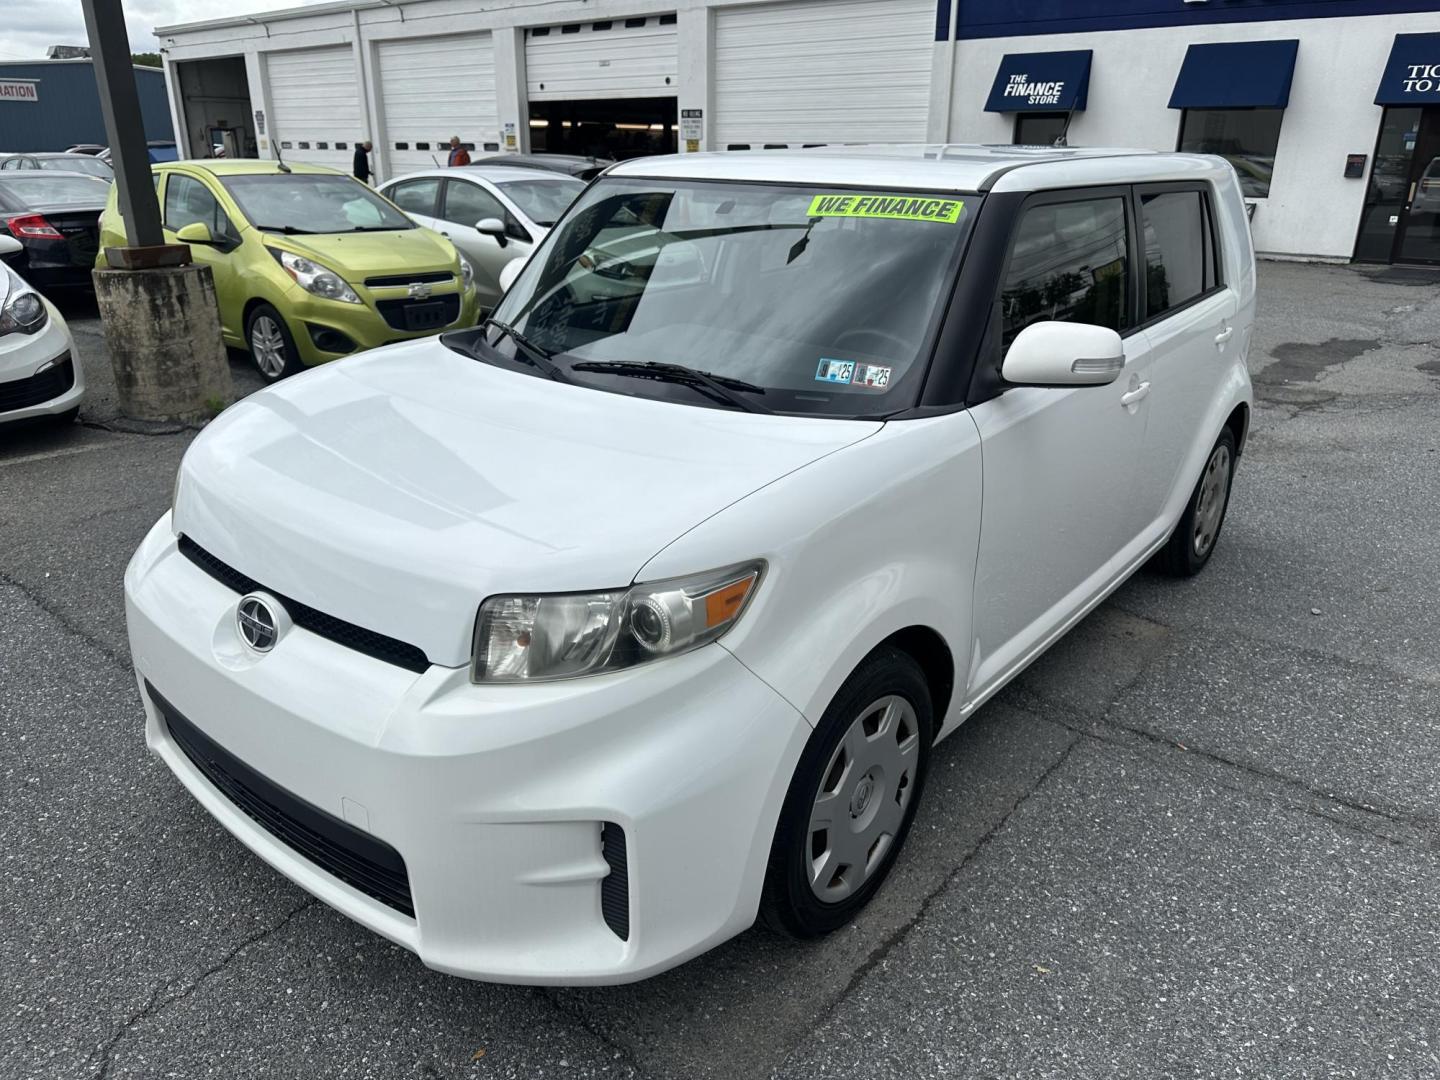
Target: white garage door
(315, 105)
(609, 59)
(431, 89)
(822, 71)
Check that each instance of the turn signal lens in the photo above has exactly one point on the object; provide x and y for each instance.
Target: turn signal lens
(537, 638)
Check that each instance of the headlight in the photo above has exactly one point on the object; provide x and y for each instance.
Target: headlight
(314, 278)
(562, 636)
(467, 272)
(23, 311)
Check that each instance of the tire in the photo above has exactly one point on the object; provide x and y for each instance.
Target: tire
(273, 359)
(886, 696)
(1194, 539)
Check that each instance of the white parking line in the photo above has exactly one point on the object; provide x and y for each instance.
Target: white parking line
(64, 451)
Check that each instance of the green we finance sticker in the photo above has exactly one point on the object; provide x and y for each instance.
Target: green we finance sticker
(897, 207)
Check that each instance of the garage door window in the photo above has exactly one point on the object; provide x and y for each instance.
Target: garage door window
(1179, 251)
(416, 196)
(1068, 264)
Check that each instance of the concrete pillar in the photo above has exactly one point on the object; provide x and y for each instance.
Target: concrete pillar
(694, 26)
(512, 97)
(163, 330)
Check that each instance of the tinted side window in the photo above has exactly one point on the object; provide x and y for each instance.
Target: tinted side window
(416, 196)
(1179, 257)
(1068, 263)
(467, 203)
(187, 200)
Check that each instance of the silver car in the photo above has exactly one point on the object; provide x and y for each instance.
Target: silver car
(493, 213)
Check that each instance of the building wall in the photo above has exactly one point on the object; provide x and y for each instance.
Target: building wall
(1312, 210)
(68, 109)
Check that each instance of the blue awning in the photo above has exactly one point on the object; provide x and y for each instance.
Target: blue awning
(1236, 75)
(1041, 82)
(1412, 77)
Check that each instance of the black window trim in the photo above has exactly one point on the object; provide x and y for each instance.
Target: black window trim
(1208, 222)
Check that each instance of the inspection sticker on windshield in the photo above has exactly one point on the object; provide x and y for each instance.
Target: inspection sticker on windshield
(836, 371)
(898, 207)
(872, 375)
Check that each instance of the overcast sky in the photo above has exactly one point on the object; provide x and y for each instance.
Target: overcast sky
(32, 26)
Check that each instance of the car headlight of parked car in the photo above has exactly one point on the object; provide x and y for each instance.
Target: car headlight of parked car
(564, 635)
(317, 279)
(21, 309)
(467, 272)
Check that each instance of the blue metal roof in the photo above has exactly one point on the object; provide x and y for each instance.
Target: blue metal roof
(66, 109)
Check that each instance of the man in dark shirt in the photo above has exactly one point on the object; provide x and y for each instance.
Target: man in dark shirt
(362, 161)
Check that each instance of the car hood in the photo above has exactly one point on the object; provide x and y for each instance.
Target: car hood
(360, 255)
(398, 489)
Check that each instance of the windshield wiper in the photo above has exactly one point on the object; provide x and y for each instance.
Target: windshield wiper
(379, 228)
(524, 347)
(288, 230)
(720, 386)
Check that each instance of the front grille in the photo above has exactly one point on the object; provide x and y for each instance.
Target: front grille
(38, 389)
(417, 314)
(363, 862)
(396, 280)
(615, 886)
(369, 642)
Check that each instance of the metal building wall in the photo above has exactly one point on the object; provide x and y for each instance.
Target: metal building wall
(68, 109)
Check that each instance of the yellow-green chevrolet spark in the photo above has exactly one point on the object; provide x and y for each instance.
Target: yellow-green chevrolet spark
(310, 264)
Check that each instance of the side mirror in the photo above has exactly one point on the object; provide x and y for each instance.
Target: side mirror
(197, 232)
(10, 246)
(1064, 354)
(493, 226)
(509, 272)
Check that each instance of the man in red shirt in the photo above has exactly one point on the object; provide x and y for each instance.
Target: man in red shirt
(458, 154)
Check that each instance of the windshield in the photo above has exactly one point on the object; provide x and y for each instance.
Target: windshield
(78, 163)
(312, 203)
(38, 190)
(543, 200)
(824, 298)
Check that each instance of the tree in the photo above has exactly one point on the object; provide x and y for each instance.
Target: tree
(146, 59)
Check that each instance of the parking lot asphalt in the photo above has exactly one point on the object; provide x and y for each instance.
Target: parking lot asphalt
(1197, 839)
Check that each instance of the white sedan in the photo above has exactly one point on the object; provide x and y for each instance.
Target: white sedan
(493, 213)
(559, 648)
(40, 375)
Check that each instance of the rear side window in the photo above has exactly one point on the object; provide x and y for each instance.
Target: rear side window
(1068, 263)
(1179, 250)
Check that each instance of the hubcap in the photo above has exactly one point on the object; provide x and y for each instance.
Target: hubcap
(1210, 503)
(267, 345)
(863, 796)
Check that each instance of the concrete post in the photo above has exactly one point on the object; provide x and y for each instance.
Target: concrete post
(165, 346)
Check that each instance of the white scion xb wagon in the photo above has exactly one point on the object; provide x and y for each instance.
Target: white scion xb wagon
(556, 649)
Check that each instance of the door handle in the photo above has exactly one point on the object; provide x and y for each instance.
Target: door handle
(1224, 335)
(1139, 394)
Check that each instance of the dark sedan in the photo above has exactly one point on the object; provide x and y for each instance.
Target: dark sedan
(582, 168)
(56, 218)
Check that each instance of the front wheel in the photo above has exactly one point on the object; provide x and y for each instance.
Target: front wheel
(271, 346)
(1194, 539)
(852, 798)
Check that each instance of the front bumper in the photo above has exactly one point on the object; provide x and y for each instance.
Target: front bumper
(495, 797)
(312, 319)
(29, 382)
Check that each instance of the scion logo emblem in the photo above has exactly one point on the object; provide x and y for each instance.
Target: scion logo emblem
(257, 624)
(420, 290)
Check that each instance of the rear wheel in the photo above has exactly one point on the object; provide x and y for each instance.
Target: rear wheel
(852, 798)
(1194, 539)
(271, 346)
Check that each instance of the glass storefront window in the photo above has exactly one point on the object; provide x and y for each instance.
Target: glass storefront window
(1245, 137)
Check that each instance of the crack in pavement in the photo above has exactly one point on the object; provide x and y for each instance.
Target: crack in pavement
(577, 1016)
(155, 1006)
(65, 622)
